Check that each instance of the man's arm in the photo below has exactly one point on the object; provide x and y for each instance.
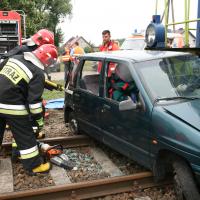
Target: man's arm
(34, 100)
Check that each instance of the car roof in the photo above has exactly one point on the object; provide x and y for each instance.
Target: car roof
(135, 55)
(135, 38)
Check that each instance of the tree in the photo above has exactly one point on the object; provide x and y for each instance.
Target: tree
(41, 14)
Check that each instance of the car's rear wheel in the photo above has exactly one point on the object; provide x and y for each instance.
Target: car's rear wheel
(185, 186)
(73, 124)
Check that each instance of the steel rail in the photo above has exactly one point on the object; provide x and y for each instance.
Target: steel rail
(87, 189)
(66, 142)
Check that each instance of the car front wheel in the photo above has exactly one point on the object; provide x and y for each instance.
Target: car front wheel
(185, 186)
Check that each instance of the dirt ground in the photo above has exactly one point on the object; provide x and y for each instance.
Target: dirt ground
(54, 126)
(86, 167)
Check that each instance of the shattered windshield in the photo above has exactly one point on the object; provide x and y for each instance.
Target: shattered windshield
(171, 77)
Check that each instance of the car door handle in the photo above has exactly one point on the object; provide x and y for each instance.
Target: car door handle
(105, 108)
(77, 95)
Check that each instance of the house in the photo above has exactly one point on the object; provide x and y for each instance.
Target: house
(192, 38)
(82, 42)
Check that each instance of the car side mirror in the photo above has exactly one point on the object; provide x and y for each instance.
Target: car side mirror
(127, 105)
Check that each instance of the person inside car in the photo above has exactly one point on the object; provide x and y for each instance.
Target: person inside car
(121, 84)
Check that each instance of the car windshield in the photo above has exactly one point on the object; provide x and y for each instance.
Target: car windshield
(134, 44)
(171, 77)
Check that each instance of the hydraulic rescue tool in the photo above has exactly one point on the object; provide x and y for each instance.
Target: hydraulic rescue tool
(53, 86)
(55, 155)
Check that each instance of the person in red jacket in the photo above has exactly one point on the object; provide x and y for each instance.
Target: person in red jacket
(108, 45)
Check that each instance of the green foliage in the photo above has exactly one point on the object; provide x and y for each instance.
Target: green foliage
(47, 95)
(59, 36)
(88, 49)
(41, 14)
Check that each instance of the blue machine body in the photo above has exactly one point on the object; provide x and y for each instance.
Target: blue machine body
(158, 33)
(198, 26)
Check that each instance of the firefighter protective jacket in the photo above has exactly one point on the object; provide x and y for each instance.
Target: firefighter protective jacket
(18, 50)
(21, 87)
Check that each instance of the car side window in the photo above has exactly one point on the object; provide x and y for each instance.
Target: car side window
(119, 83)
(89, 77)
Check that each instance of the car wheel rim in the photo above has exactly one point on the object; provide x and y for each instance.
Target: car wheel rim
(73, 126)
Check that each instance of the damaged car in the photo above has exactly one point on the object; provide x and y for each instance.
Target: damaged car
(145, 105)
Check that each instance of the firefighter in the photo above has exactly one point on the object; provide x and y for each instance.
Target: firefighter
(21, 87)
(43, 36)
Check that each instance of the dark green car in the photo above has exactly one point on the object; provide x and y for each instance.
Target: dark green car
(145, 105)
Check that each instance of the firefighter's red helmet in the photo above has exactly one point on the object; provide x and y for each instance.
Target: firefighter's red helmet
(47, 54)
(43, 36)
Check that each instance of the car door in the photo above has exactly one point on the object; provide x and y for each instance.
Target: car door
(126, 130)
(86, 96)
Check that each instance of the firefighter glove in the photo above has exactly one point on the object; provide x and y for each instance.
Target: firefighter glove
(40, 123)
(59, 87)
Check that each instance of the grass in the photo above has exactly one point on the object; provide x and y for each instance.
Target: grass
(62, 67)
(47, 95)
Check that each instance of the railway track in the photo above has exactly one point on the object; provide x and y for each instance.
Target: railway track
(66, 142)
(85, 189)
(88, 189)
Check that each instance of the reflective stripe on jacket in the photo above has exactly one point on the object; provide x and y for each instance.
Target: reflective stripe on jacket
(29, 153)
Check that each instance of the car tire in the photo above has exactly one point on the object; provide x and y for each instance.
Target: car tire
(185, 186)
(73, 124)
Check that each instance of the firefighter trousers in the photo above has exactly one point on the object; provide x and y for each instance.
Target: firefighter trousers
(24, 136)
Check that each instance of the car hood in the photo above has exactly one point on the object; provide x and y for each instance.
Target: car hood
(189, 112)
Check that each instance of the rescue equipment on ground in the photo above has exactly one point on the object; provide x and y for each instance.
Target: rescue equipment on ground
(54, 150)
(63, 161)
(56, 156)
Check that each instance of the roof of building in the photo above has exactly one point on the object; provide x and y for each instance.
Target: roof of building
(72, 40)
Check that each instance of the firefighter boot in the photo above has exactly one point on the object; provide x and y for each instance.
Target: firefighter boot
(43, 168)
(15, 154)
